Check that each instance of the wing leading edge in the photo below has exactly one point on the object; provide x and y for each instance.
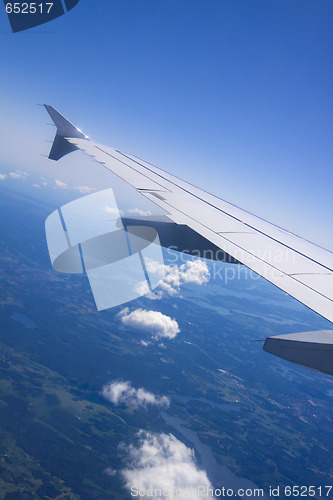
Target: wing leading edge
(298, 267)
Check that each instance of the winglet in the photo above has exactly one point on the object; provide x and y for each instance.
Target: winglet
(65, 129)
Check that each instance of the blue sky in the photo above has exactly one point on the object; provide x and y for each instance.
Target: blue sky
(234, 96)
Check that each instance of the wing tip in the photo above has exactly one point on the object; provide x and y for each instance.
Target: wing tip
(65, 129)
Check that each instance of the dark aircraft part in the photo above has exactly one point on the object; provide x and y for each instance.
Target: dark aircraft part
(26, 15)
(311, 349)
(70, 4)
(180, 237)
(60, 148)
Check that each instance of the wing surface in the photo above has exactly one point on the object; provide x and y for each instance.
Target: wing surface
(298, 267)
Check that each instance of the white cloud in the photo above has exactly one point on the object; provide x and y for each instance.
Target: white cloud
(162, 466)
(192, 271)
(123, 393)
(113, 210)
(110, 472)
(15, 175)
(80, 189)
(142, 288)
(60, 184)
(154, 322)
(36, 185)
(83, 189)
(138, 211)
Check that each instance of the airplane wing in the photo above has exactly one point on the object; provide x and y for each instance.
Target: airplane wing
(298, 267)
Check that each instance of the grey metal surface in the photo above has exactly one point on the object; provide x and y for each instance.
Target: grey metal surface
(311, 349)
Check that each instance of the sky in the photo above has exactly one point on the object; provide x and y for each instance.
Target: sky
(233, 96)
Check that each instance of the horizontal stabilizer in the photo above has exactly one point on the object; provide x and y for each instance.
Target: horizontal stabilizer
(311, 349)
